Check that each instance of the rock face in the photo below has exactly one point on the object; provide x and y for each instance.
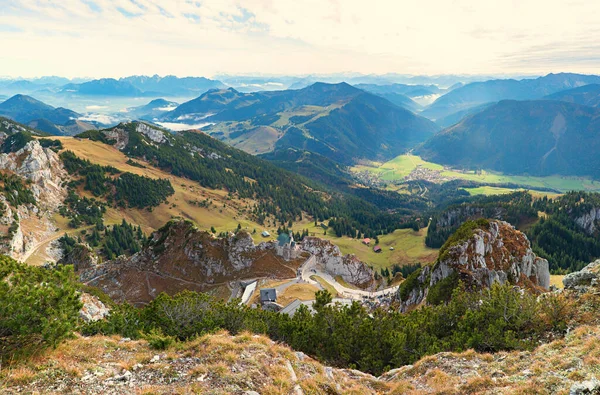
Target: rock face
(43, 168)
(494, 252)
(152, 133)
(329, 257)
(179, 256)
(588, 221)
(587, 277)
(47, 176)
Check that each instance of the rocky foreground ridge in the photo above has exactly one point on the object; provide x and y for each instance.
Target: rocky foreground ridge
(479, 254)
(250, 364)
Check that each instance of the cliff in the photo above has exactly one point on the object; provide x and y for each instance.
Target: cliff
(479, 254)
(43, 168)
(179, 256)
(331, 260)
(46, 178)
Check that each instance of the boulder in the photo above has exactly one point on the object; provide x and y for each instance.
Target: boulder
(93, 309)
(590, 387)
(586, 277)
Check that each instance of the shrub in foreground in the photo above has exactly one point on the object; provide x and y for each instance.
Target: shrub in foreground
(39, 307)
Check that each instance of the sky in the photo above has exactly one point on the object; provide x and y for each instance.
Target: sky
(115, 38)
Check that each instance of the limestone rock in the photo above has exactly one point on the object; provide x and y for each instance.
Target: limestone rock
(588, 221)
(590, 387)
(93, 309)
(587, 276)
(495, 253)
(329, 257)
(153, 134)
(43, 168)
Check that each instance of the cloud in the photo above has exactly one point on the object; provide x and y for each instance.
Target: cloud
(185, 37)
(183, 126)
(104, 119)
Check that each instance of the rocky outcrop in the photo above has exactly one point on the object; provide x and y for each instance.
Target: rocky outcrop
(43, 168)
(179, 256)
(93, 309)
(118, 135)
(47, 177)
(588, 221)
(582, 280)
(489, 252)
(153, 134)
(331, 260)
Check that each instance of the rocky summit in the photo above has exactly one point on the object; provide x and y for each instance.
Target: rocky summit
(479, 254)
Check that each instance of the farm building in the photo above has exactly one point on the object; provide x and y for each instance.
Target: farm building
(366, 241)
(377, 249)
(265, 233)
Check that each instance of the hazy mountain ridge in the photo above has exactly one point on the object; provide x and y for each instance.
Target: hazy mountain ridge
(25, 109)
(478, 93)
(587, 95)
(334, 120)
(540, 137)
(172, 85)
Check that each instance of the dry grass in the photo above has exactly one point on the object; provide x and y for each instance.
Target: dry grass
(556, 280)
(297, 291)
(325, 285)
(180, 204)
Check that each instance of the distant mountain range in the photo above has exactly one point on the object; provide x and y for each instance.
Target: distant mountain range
(103, 87)
(540, 137)
(337, 121)
(173, 86)
(478, 93)
(395, 94)
(587, 95)
(152, 110)
(41, 116)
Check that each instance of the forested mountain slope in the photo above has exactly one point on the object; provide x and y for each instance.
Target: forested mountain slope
(477, 93)
(538, 138)
(337, 121)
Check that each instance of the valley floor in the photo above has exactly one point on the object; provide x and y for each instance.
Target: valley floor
(224, 364)
(412, 167)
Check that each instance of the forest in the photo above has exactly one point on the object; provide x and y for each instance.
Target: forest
(130, 190)
(560, 237)
(279, 193)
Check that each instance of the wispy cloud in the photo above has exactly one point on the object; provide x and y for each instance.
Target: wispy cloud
(188, 37)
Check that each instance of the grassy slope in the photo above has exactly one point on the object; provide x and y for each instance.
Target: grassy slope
(401, 166)
(179, 204)
(409, 247)
(206, 365)
(489, 190)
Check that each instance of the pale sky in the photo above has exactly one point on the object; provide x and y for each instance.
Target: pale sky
(115, 38)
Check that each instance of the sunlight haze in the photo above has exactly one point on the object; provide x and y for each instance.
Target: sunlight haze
(115, 38)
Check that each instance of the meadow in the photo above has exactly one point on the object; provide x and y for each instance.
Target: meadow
(401, 166)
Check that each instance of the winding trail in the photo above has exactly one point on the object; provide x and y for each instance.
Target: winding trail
(309, 268)
(42, 245)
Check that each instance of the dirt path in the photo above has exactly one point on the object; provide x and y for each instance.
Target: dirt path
(309, 268)
(39, 248)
